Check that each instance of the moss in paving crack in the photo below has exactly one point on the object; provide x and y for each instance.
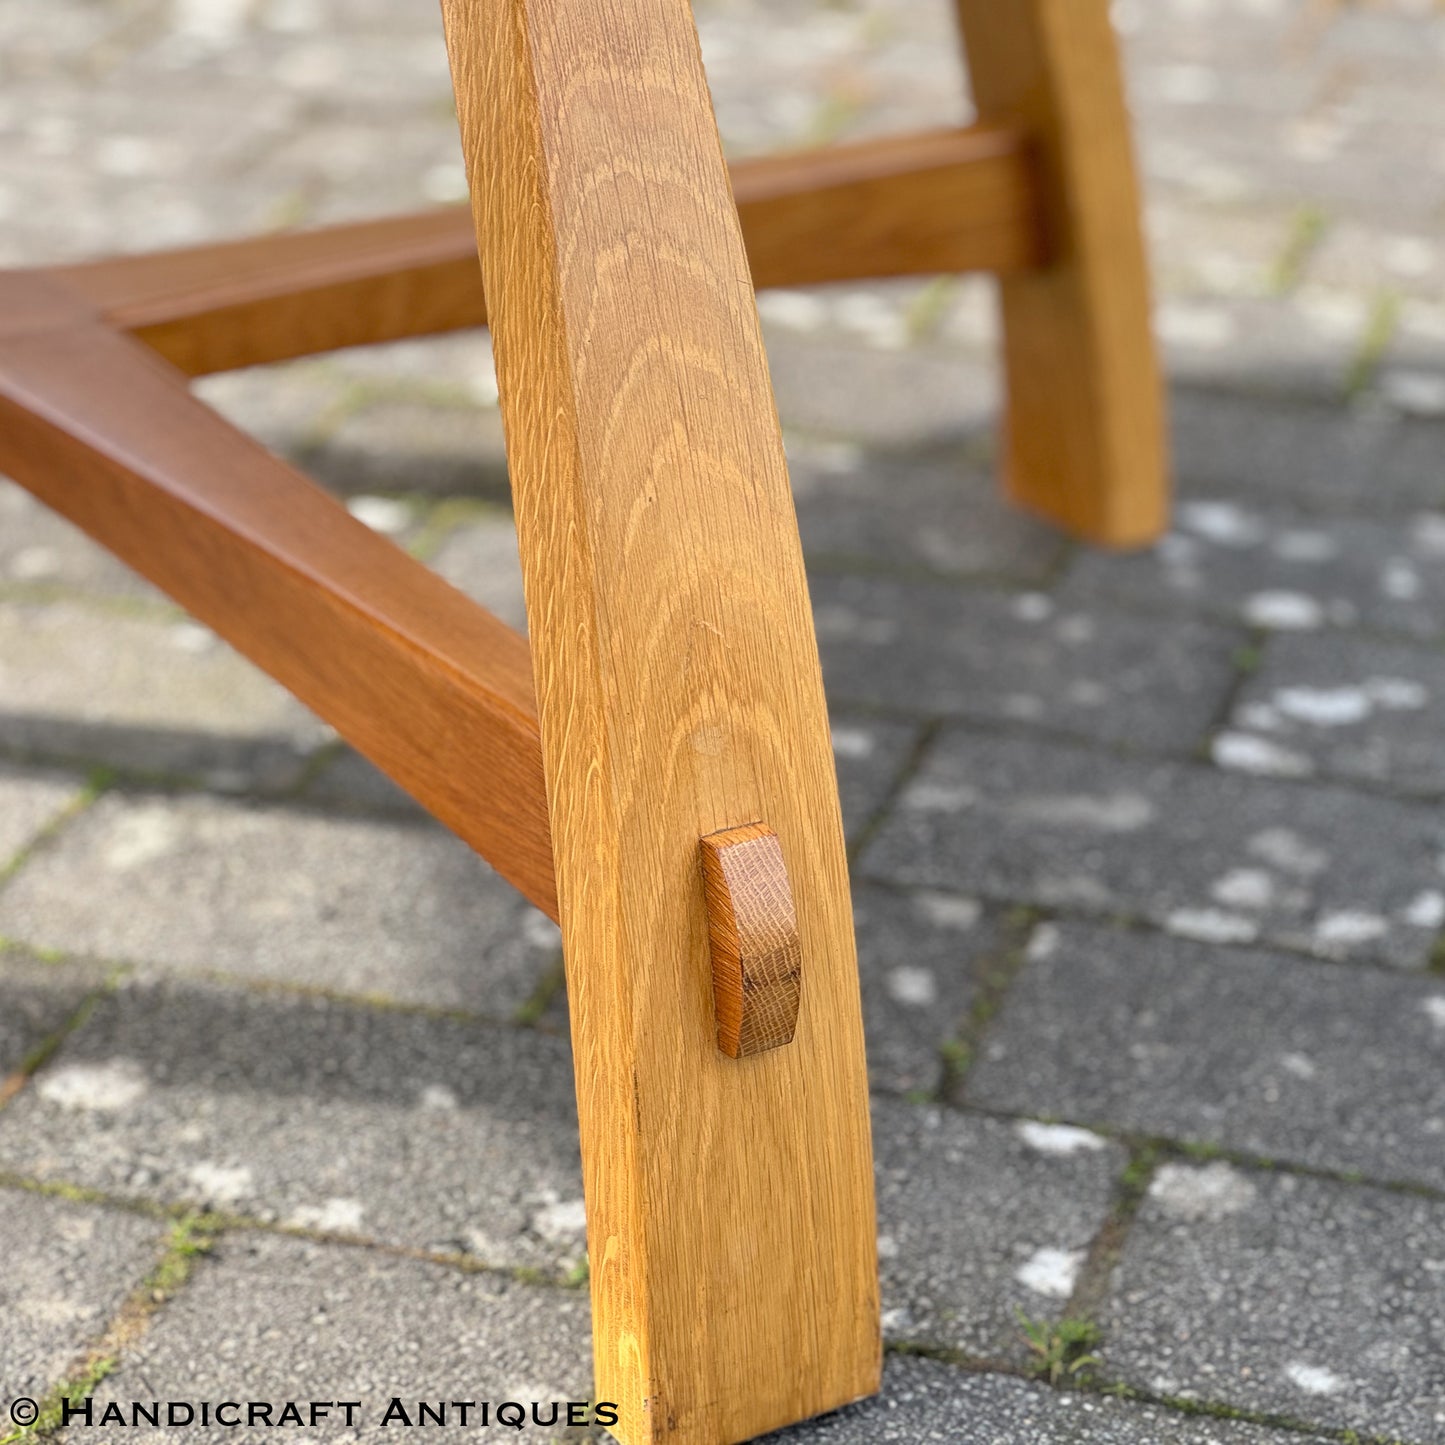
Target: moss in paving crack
(550, 986)
(996, 971)
(1091, 1290)
(1379, 332)
(926, 311)
(190, 1237)
(1307, 230)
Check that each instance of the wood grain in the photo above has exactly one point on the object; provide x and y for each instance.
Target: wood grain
(757, 962)
(435, 690)
(950, 200)
(730, 1211)
(1085, 427)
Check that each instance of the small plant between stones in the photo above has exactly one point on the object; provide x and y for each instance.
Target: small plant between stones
(1062, 1346)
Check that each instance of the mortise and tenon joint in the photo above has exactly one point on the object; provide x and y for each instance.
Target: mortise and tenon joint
(757, 962)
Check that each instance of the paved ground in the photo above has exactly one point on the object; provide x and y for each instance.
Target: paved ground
(1150, 863)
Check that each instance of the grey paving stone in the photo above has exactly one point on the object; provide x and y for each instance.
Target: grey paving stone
(1020, 658)
(979, 1219)
(919, 955)
(30, 800)
(1281, 1057)
(41, 553)
(940, 509)
(68, 1269)
(37, 999)
(879, 397)
(1257, 451)
(196, 885)
(1280, 571)
(480, 558)
(925, 1402)
(146, 695)
(1211, 855)
(381, 1124)
(1353, 707)
(287, 1319)
(1293, 1296)
(870, 753)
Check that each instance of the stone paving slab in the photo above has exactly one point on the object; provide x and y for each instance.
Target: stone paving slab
(1206, 854)
(41, 552)
(29, 801)
(196, 885)
(1260, 453)
(386, 1125)
(1018, 657)
(926, 1402)
(1347, 707)
(919, 955)
(938, 509)
(1293, 1296)
(100, 688)
(68, 1269)
(1267, 1054)
(978, 1220)
(274, 1319)
(37, 1000)
(1279, 571)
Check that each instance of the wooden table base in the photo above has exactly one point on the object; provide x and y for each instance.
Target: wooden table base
(666, 728)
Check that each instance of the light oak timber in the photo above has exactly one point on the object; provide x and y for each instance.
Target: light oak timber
(1084, 439)
(427, 684)
(730, 1214)
(948, 200)
(757, 963)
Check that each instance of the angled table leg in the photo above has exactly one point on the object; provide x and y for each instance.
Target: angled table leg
(1085, 427)
(729, 1199)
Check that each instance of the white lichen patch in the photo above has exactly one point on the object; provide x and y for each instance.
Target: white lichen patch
(1211, 925)
(1284, 611)
(1426, 909)
(332, 1216)
(1300, 1065)
(1400, 581)
(852, 742)
(1324, 707)
(947, 910)
(911, 986)
(1245, 753)
(386, 515)
(887, 1247)
(1287, 850)
(220, 1184)
(1244, 888)
(1187, 1191)
(437, 1098)
(1435, 1009)
(1033, 607)
(926, 797)
(794, 310)
(1051, 1272)
(1314, 1379)
(1222, 523)
(1348, 927)
(562, 1221)
(1060, 1139)
(140, 836)
(1105, 813)
(34, 564)
(1043, 943)
(106, 1087)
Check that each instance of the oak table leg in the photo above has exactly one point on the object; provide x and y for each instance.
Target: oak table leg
(729, 1200)
(1085, 427)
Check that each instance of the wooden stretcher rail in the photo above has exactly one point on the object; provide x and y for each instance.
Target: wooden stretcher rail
(940, 201)
(430, 686)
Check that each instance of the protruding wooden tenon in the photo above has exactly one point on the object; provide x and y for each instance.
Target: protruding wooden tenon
(757, 962)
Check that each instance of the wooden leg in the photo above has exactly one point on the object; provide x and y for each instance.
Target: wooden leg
(730, 1207)
(1085, 432)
